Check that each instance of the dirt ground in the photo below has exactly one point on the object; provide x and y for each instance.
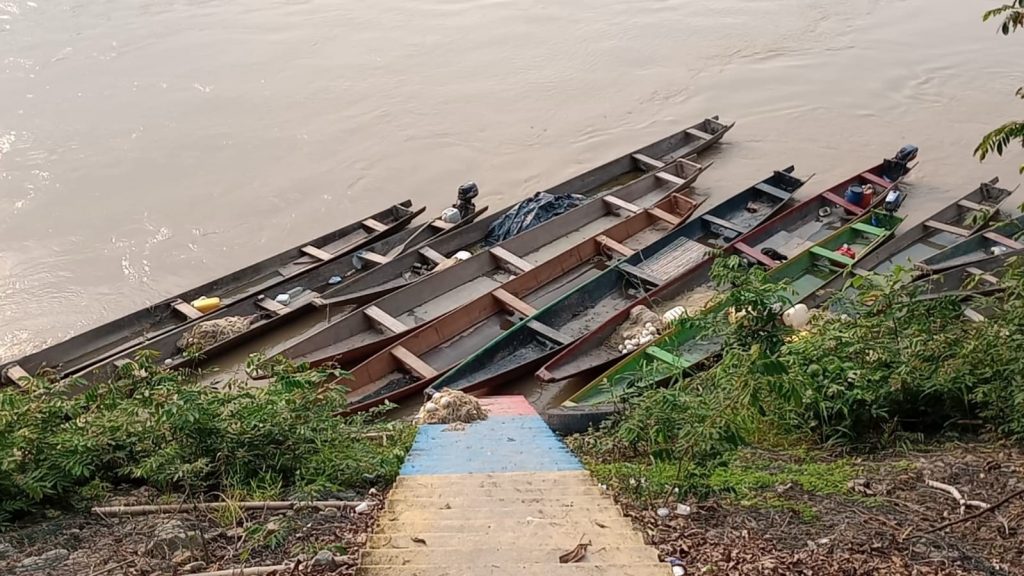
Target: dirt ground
(319, 541)
(879, 527)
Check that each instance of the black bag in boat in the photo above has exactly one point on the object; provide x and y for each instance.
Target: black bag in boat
(535, 210)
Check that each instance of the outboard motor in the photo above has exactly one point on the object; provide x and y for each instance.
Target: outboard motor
(897, 167)
(893, 200)
(467, 192)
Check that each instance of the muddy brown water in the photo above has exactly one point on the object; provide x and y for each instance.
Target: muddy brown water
(147, 146)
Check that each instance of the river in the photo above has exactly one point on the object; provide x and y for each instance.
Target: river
(147, 146)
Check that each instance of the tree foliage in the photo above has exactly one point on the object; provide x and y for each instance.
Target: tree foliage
(1003, 137)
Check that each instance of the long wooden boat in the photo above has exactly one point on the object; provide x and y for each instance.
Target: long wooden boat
(412, 363)
(685, 346)
(400, 272)
(992, 242)
(660, 157)
(970, 281)
(958, 220)
(531, 342)
(791, 232)
(355, 335)
(128, 332)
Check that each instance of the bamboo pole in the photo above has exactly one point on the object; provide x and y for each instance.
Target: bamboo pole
(185, 508)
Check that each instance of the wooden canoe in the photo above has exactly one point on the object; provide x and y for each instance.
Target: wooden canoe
(685, 346)
(998, 239)
(960, 219)
(413, 362)
(402, 271)
(968, 282)
(533, 341)
(117, 337)
(356, 335)
(791, 232)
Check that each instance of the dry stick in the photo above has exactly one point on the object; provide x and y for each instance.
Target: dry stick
(949, 490)
(111, 568)
(969, 517)
(254, 571)
(184, 508)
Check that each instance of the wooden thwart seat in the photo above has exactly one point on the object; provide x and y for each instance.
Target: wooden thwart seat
(665, 216)
(271, 305)
(699, 134)
(671, 178)
(375, 225)
(614, 246)
(947, 228)
(373, 257)
(972, 206)
(511, 259)
(648, 161)
(1000, 239)
(186, 309)
(826, 253)
(442, 225)
(413, 363)
(877, 181)
(639, 274)
(385, 320)
(432, 255)
(983, 275)
(618, 203)
(868, 229)
(723, 223)
(16, 373)
(513, 303)
(842, 203)
(316, 253)
(663, 355)
(772, 190)
(757, 255)
(973, 315)
(549, 332)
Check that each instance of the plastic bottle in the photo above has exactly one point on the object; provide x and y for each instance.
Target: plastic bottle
(205, 304)
(285, 298)
(674, 314)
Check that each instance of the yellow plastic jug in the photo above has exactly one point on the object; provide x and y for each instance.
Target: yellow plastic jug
(206, 305)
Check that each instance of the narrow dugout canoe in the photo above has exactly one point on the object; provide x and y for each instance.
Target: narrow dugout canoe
(685, 347)
(127, 333)
(790, 232)
(521, 348)
(412, 363)
(356, 335)
(994, 241)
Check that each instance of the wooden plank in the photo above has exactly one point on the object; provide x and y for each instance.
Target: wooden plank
(670, 178)
(699, 134)
(755, 254)
(511, 259)
(885, 185)
(648, 161)
(1000, 239)
(769, 189)
(973, 315)
(384, 319)
(620, 204)
(413, 362)
(16, 373)
(868, 229)
(441, 224)
(373, 257)
(549, 332)
(860, 272)
(972, 206)
(662, 355)
(513, 303)
(432, 255)
(983, 275)
(186, 309)
(613, 245)
(947, 228)
(665, 216)
(271, 305)
(842, 203)
(723, 223)
(375, 225)
(639, 274)
(316, 253)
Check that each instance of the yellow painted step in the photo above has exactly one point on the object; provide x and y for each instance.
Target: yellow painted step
(454, 511)
(555, 493)
(507, 553)
(471, 502)
(652, 569)
(554, 537)
(512, 528)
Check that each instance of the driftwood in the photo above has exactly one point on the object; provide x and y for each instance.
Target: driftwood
(185, 508)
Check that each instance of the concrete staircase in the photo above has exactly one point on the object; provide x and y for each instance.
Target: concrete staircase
(502, 497)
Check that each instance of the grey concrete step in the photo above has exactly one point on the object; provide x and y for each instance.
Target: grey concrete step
(553, 537)
(650, 569)
(507, 553)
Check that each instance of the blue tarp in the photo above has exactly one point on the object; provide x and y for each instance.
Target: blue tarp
(535, 210)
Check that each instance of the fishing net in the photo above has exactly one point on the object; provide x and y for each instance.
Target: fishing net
(449, 407)
(206, 334)
(641, 322)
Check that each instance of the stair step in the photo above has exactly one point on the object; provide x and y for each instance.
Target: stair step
(519, 479)
(426, 555)
(504, 526)
(504, 492)
(472, 502)
(438, 512)
(649, 569)
(553, 536)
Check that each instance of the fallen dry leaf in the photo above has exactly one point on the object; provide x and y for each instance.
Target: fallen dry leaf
(574, 555)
